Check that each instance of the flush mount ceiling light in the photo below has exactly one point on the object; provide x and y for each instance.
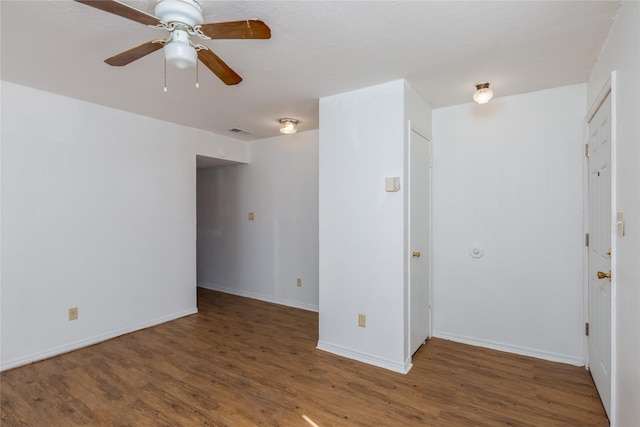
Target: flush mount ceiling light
(483, 94)
(288, 126)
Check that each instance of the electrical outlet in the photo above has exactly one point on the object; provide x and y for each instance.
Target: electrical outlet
(73, 313)
(251, 217)
(362, 320)
(299, 282)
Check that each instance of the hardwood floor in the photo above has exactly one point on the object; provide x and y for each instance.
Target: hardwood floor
(242, 362)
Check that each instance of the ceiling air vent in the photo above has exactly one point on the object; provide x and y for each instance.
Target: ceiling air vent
(239, 131)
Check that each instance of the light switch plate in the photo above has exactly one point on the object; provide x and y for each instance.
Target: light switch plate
(362, 320)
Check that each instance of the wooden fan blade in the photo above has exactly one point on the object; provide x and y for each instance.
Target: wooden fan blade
(121, 9)
(252, 29)
(131, 55)
(218, 67)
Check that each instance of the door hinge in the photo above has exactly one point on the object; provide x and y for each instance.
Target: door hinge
(586, 150)
(586, 239)
(586, 329)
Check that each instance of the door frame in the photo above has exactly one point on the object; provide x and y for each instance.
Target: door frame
(609, 89)
(411, 127)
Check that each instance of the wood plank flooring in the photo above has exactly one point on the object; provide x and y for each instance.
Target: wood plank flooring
(242, 362)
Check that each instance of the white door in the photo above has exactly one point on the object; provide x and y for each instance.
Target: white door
(600, 230)
(419, 241)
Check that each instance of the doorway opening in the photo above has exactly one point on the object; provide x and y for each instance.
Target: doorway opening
(215, 205)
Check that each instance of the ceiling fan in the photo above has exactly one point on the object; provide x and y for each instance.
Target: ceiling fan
(183, 19)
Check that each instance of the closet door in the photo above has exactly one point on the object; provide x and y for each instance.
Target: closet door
(419, 241)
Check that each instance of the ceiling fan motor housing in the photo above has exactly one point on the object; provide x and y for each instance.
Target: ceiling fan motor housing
(186, 12)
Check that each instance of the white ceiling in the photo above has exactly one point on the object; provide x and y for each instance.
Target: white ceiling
(318, 48)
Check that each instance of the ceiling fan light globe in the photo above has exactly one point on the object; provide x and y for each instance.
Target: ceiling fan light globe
(180, 55)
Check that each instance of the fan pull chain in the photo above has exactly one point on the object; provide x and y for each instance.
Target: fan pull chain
(165, 74)
(197, 74)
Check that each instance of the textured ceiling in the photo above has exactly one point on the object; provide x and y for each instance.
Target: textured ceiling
(318, 48)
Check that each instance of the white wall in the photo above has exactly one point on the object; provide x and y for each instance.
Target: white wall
(417, 112)
(362, 227)
(99, 213)
(622, 54)
(263, 258)
(508, 177)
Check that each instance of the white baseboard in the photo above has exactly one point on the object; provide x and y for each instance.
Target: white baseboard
(260, 297)
(370, 359)
(25, 360)
(523, 351)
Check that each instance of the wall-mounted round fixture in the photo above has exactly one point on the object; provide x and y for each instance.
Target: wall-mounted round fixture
(483, 94)
(288, 126)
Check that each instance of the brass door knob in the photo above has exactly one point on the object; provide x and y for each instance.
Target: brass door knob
(602, 275)
(415, 254)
